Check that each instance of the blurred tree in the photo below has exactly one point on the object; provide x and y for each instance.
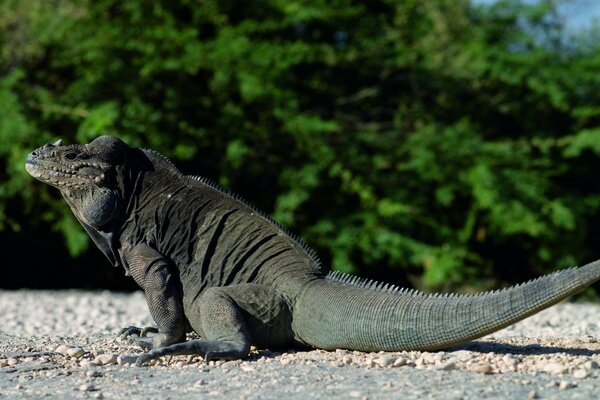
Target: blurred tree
(433, 143)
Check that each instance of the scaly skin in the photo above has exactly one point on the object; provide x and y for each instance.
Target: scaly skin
(209, 262)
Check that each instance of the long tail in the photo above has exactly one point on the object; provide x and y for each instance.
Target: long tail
(342, 311)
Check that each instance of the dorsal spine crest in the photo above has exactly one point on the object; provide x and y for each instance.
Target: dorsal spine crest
(282, 230)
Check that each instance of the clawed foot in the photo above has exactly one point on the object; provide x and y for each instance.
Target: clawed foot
(139, 335)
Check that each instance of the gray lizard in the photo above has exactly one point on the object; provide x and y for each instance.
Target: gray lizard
(209, 262)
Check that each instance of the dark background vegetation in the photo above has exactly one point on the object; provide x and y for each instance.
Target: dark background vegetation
(439, 144)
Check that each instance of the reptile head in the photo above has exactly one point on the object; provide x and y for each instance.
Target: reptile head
(85, 175)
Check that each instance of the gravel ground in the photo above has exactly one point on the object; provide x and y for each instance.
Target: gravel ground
(61, 344)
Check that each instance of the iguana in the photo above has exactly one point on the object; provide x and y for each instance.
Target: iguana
(209, 262)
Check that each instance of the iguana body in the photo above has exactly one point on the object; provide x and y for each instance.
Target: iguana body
(209, 262)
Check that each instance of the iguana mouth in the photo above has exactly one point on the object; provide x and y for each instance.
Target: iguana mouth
(78, 177)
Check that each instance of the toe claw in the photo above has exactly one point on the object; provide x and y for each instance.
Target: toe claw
(148, 329)
(129, 331)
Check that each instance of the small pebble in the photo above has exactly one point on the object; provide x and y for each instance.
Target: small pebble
(231, 364)
(126, 359)
(449, 366)
(399, 362)
(554, 368)
(75, 352)
(532, 395)
(87, 387)
(480, 368)
(563, 385)
(106, 359)
(589, 365)
(62, 349)
(462, 355)
(580, 374)
(93, 373)
(385, 361)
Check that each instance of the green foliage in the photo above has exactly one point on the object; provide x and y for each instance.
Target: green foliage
(452, 144)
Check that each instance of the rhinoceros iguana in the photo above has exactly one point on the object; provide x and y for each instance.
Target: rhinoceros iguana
(209, 262)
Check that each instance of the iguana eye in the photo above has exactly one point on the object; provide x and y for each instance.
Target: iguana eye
(71, 156)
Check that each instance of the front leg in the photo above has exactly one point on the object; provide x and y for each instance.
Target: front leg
(154, 273)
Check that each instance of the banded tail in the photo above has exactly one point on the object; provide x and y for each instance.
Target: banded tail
(342, 312)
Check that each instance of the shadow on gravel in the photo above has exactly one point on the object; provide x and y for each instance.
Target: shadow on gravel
(528, 349)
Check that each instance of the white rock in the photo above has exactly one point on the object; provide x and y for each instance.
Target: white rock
(590, 365)
(124, 359)
(509, 360)
(87, 387)
(106, 359)
(400, 361)
(462, 354)
(481, 368)
(563, 385)
(385, 361)
(62, 349)
(75, 352)
(554, 368)
(580, 374)
(449, 366)
(431, 358)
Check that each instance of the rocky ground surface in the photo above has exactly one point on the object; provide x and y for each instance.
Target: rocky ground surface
(61, 344)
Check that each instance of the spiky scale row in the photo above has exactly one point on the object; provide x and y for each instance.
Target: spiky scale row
(364, 283)
(370, 284)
